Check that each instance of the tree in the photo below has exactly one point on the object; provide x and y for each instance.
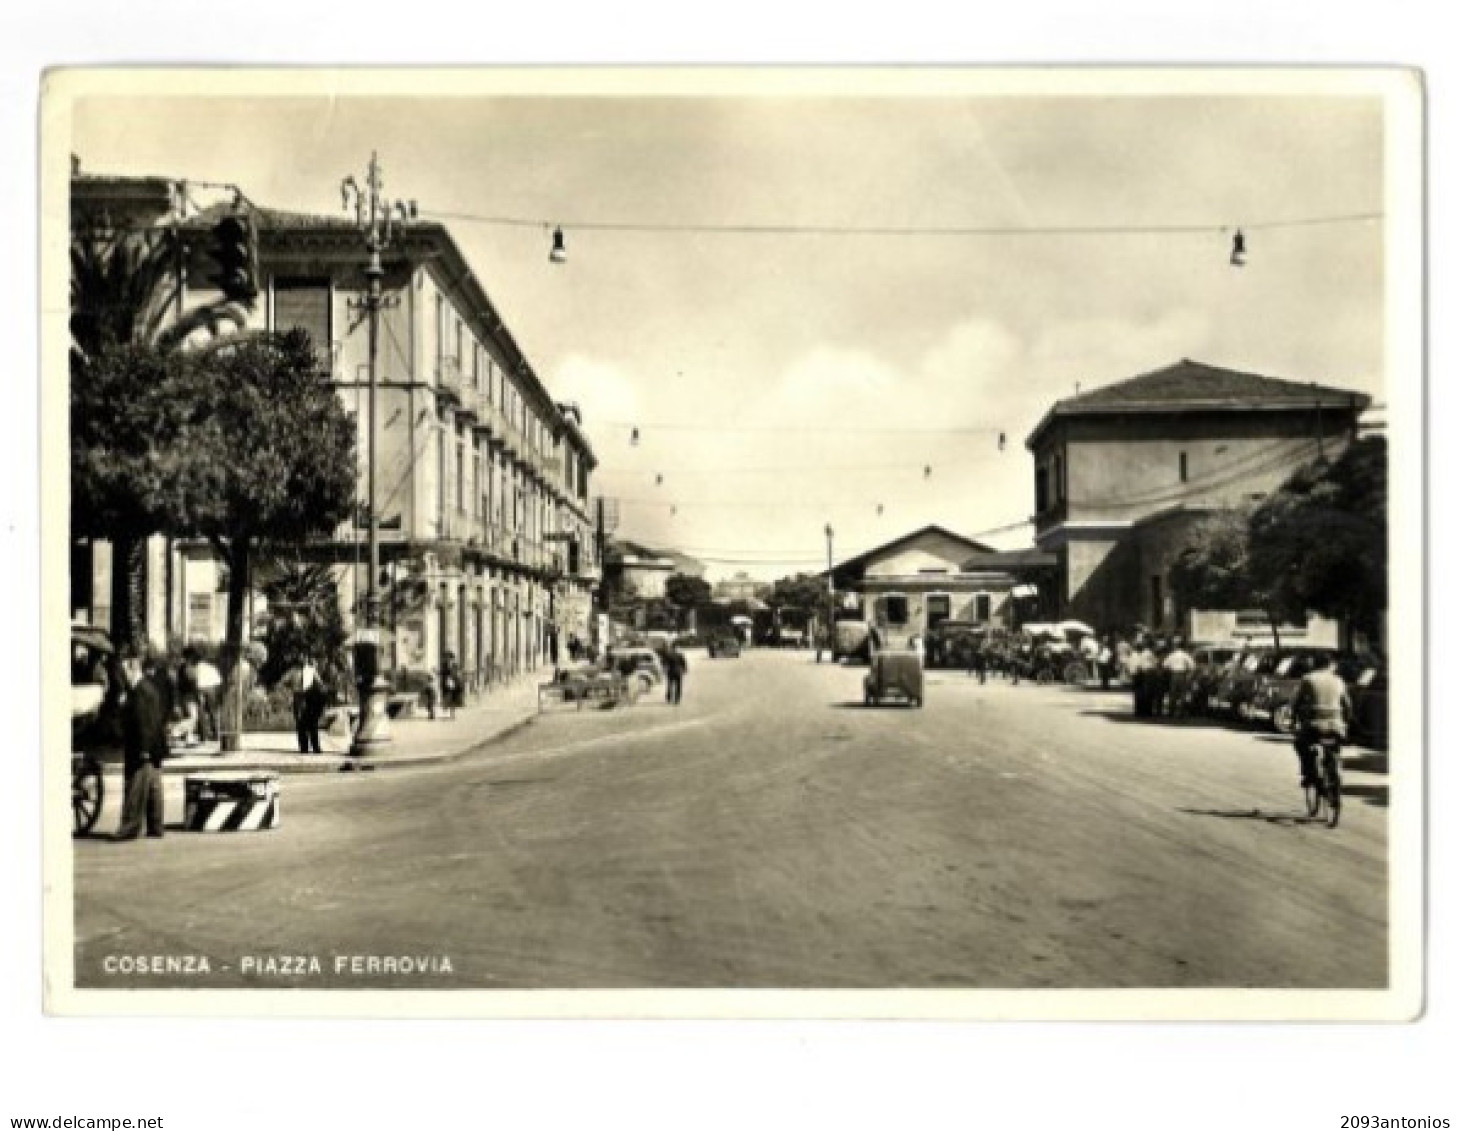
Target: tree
(1321, 540)
(1215, 571)
(305, 618)
(132, 421)
(686, 592)
(124, 287)
(272, 462)
(125, 284)
(803, 591)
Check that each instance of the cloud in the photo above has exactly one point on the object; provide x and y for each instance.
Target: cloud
(602, 389)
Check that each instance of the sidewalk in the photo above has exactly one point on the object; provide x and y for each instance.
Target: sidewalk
(416, 741)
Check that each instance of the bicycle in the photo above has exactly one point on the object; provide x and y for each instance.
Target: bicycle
(1324, 795)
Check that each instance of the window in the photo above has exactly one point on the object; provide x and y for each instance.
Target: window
(894, 609)
(982, 607)
(1059, 478)
(1041, 490)
(1183, 467)
(304, 304)
(460, 477)
(939, 609)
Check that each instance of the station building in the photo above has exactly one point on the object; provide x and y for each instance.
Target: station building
(1123, 473)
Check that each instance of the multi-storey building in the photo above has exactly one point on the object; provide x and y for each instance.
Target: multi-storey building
(1121, 474)
(482, 479)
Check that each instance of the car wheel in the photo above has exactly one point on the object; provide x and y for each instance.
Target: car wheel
(1282, 718)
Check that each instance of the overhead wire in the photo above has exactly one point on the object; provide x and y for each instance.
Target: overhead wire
(645, 226)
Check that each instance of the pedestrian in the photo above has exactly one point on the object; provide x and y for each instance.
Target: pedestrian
(452, 695)
(188, 704)
(155, 669)
(1177, 668)
(210, 682)
(978, 659)
(310, 697)
(1142, 665)
(144, 749)
(675, 666)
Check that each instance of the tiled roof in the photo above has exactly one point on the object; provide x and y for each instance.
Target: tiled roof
(1191, 385)
(861, 559)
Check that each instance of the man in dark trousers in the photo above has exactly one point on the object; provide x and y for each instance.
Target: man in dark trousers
(144, 748)
(675, 665)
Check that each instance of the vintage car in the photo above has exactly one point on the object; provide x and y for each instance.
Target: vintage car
(1212, 661)
(894, 672)
(852, 640)
(953, 644)
(1370, 695)
(1238, 685)
(724, 645)
(639, 665)
(1275, 696)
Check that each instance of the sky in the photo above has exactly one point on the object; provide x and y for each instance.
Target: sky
(781, 382)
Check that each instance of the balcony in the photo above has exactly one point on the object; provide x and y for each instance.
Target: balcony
(470, 404)
(449, 385)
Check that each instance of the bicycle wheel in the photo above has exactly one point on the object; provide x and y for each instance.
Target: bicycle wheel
(87, 791)
(1333, 787)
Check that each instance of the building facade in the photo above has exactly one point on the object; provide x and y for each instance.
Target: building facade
(909, 586)
(482, 480)
(1122, 474)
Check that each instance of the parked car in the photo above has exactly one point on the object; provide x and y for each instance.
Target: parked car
(1370, 694)
(953, 643)
(1212, 661)
(640, 664)
(1238, 685)
(724, 645)
(1277, 691)
(853, 640)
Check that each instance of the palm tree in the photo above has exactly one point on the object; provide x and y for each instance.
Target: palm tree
(126, 284)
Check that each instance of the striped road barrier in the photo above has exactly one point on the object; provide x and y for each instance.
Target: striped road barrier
(230, 803)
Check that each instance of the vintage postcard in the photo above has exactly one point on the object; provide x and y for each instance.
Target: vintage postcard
(734, 542)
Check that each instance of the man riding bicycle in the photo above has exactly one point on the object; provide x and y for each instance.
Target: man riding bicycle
(1321, 709)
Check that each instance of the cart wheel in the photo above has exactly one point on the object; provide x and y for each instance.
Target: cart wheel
(1282, 718)
(87, 791)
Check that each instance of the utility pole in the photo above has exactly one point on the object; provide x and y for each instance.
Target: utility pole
(830, 600)
(376, 219)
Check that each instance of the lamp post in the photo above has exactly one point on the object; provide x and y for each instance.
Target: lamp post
(376, 219)
(830, 600)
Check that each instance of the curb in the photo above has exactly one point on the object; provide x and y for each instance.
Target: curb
(339, 763)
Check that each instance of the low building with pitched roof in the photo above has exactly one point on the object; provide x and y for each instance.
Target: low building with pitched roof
(1122, 472)
(912, 584)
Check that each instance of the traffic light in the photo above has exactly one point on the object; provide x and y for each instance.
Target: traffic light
(235, 249)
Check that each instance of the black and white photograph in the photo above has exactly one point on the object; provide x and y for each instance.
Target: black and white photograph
(719, 542)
